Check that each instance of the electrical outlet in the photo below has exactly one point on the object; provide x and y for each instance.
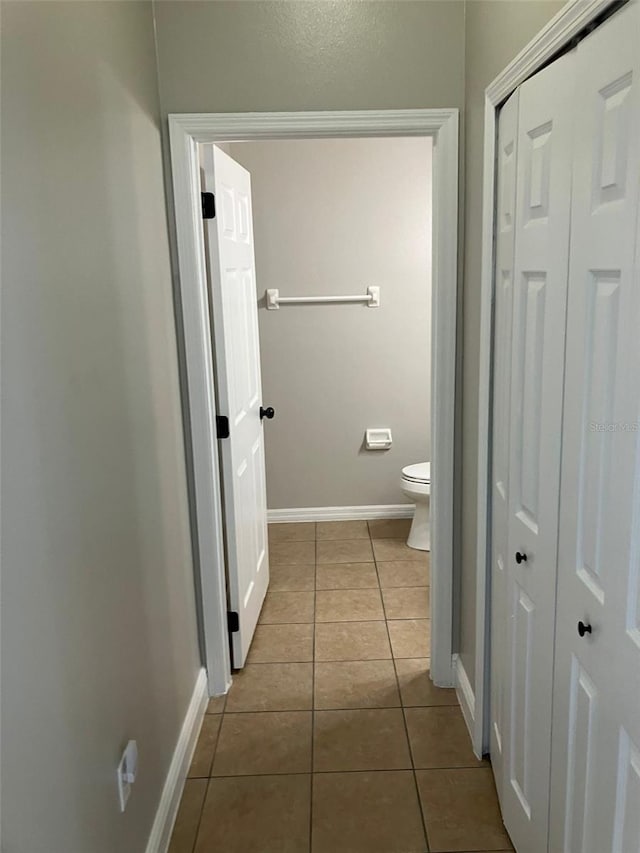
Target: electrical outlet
(127, 770)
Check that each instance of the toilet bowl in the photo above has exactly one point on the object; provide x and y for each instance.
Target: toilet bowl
(416, 485)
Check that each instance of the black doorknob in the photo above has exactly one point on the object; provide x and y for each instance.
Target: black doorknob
(267, 413)
(520, 557)
(583, 629)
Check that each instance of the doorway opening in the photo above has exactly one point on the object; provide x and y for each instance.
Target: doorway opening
(208, 148)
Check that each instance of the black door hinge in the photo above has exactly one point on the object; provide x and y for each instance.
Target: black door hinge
(222, 426)
(233, 622)
(208, 205)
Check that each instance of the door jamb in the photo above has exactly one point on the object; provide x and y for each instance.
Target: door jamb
(186, 131)
(570, 21)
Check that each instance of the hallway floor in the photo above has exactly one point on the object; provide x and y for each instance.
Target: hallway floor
(333, 738)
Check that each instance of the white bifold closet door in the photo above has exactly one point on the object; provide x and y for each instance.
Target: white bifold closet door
(503, 320)
(535, 422)
(595, 804)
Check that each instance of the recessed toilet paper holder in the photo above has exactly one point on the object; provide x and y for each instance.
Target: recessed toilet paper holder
(378, 438)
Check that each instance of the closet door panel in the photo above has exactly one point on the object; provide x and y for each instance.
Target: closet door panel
(597, 678)
(503, 321)
(537, 355)
(584, 714)
(626, 826)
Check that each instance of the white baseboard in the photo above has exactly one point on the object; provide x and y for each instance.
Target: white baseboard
(340, 513)
(466, 696)
(174, 783)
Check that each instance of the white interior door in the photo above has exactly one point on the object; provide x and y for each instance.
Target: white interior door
(503, 321)
(232, 285)
(540, 289)
(596, 748)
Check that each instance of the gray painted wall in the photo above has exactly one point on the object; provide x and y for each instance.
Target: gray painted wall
(99, 639)
(334, 216)
(309, 54)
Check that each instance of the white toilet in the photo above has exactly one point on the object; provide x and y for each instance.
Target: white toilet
(416, 485)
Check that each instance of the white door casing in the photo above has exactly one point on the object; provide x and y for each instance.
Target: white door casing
(503, 314)
(595, 803)
(540, 287)
(186, 133)
(234, 308)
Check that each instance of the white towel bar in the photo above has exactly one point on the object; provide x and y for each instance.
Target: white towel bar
(274, 300)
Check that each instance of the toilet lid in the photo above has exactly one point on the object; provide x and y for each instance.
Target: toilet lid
(418, 473)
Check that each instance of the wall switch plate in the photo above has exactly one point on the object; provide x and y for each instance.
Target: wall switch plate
(127, 770)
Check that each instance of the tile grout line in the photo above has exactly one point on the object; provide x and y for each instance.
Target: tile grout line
(349, 589)
(313, 685)
(352, 621)
(208, 777)
(199, 822)
(351, 708)
(332, 772)
(215, 746)
(404, 719)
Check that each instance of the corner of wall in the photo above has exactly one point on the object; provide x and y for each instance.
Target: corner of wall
(466, 698)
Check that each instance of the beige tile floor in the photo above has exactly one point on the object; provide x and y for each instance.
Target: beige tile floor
(333, 738)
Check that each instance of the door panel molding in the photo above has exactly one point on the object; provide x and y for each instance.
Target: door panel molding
(186, 131)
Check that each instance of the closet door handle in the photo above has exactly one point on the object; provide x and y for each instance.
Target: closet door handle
(583, 629)
(268, 413)
(520, 557)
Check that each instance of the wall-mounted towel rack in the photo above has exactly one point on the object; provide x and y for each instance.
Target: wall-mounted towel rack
(274, 300)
